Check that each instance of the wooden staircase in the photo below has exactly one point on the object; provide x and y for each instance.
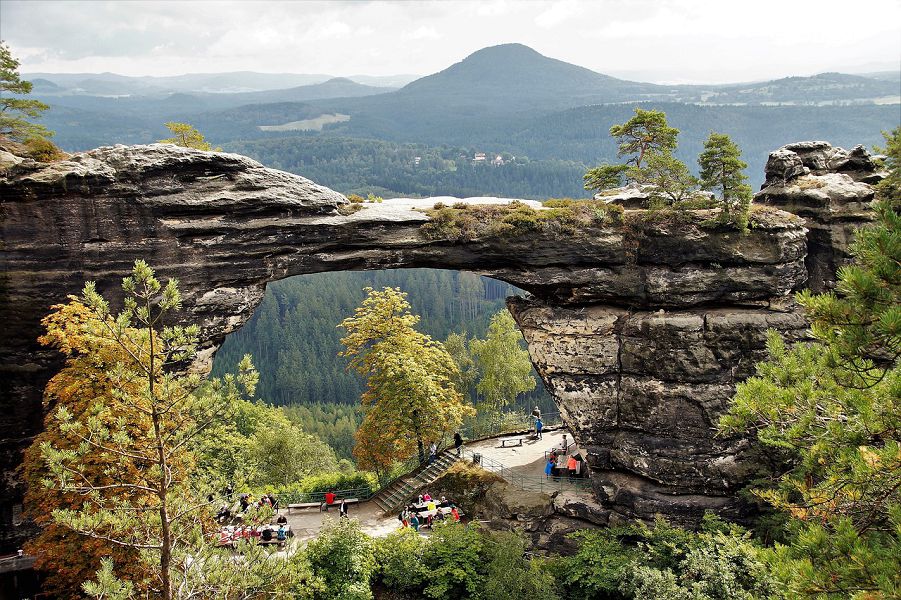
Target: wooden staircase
(391, 498)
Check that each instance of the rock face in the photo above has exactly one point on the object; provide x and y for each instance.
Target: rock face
(642, 392)
(641, 388)
(829, 188)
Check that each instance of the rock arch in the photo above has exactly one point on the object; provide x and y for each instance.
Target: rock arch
(640, 330)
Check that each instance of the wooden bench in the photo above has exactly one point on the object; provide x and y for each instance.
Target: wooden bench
(304, 505)
(319, 505)
(513, 442)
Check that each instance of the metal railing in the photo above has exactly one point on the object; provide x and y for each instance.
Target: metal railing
(362, 493)
(509, 423)
(530, 483)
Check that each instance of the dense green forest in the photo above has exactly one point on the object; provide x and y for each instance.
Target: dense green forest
(294, 339)
(359, 166)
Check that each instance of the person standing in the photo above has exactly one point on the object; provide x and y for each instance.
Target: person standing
(342, 509)
(458, 443)
(433, 452)
(538, 427)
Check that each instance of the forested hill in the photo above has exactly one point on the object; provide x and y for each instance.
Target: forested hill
(294, 338)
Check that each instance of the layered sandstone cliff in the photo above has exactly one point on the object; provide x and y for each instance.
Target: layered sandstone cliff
(641, 388)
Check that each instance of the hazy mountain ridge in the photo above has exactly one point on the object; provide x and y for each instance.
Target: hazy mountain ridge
(505, 98)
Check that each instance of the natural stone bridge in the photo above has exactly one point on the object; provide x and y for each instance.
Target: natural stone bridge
(639, 331)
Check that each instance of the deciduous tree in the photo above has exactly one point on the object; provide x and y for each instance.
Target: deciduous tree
(504, 367)
(410, 393)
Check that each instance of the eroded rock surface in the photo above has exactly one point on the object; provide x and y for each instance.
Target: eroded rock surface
(639, 387)
(829, 188)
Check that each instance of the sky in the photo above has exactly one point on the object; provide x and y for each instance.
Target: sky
(665, 41)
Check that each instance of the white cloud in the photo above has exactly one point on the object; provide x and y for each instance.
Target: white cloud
(557, 13)
(674, 40)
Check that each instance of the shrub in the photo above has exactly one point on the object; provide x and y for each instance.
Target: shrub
(452, 558)
(342, 560)
(470, 221)
(363, 480)
(719, 563)
(509, 574)
(43, 150)
(349, 209)
(354, 198)
(400, 560)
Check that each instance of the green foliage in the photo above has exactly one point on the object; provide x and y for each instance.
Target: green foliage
(473, 221)
(649, 142)
(719, 563)
(342, 560)
(258, 446)
(508, 574)
(410, 399)
(890, 187)
(453, 559)
(295, 344)
(140, 434)
(834, 408)
(43, 150)
(108, 586)
(400, 558)
(504, 367)
(722, 169)
(325, 482)
(15, 112)
(335, 424)
(672, 183)
(605, 177)
(597, 570)
(644, 135)
(186, 136)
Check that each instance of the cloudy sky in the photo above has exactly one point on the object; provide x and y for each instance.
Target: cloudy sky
(651, 40)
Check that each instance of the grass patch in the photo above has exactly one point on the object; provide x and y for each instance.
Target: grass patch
(349, 209)
(464, 222)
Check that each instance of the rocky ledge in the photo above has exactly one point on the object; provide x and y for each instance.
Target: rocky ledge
(639, 386)
(831, 188)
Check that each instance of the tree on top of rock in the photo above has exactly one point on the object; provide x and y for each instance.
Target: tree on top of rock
(648, 142)
(187, 136)
(644, 134)
(722, 169)
(15, 111)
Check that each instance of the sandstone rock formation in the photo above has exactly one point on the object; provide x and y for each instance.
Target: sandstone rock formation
(641, 388)
(829, 188)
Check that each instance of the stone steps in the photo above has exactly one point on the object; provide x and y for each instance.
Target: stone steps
(393, 497)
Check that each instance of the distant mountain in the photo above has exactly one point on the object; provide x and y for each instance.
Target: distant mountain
(111, 84)
(337, 87)
(515, 77)
(823, 89)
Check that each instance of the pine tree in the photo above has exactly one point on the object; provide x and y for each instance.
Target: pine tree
(186, 136)
(834, 407)
(722, 169)
(644, 134)
(156, 508)
(14, 112)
